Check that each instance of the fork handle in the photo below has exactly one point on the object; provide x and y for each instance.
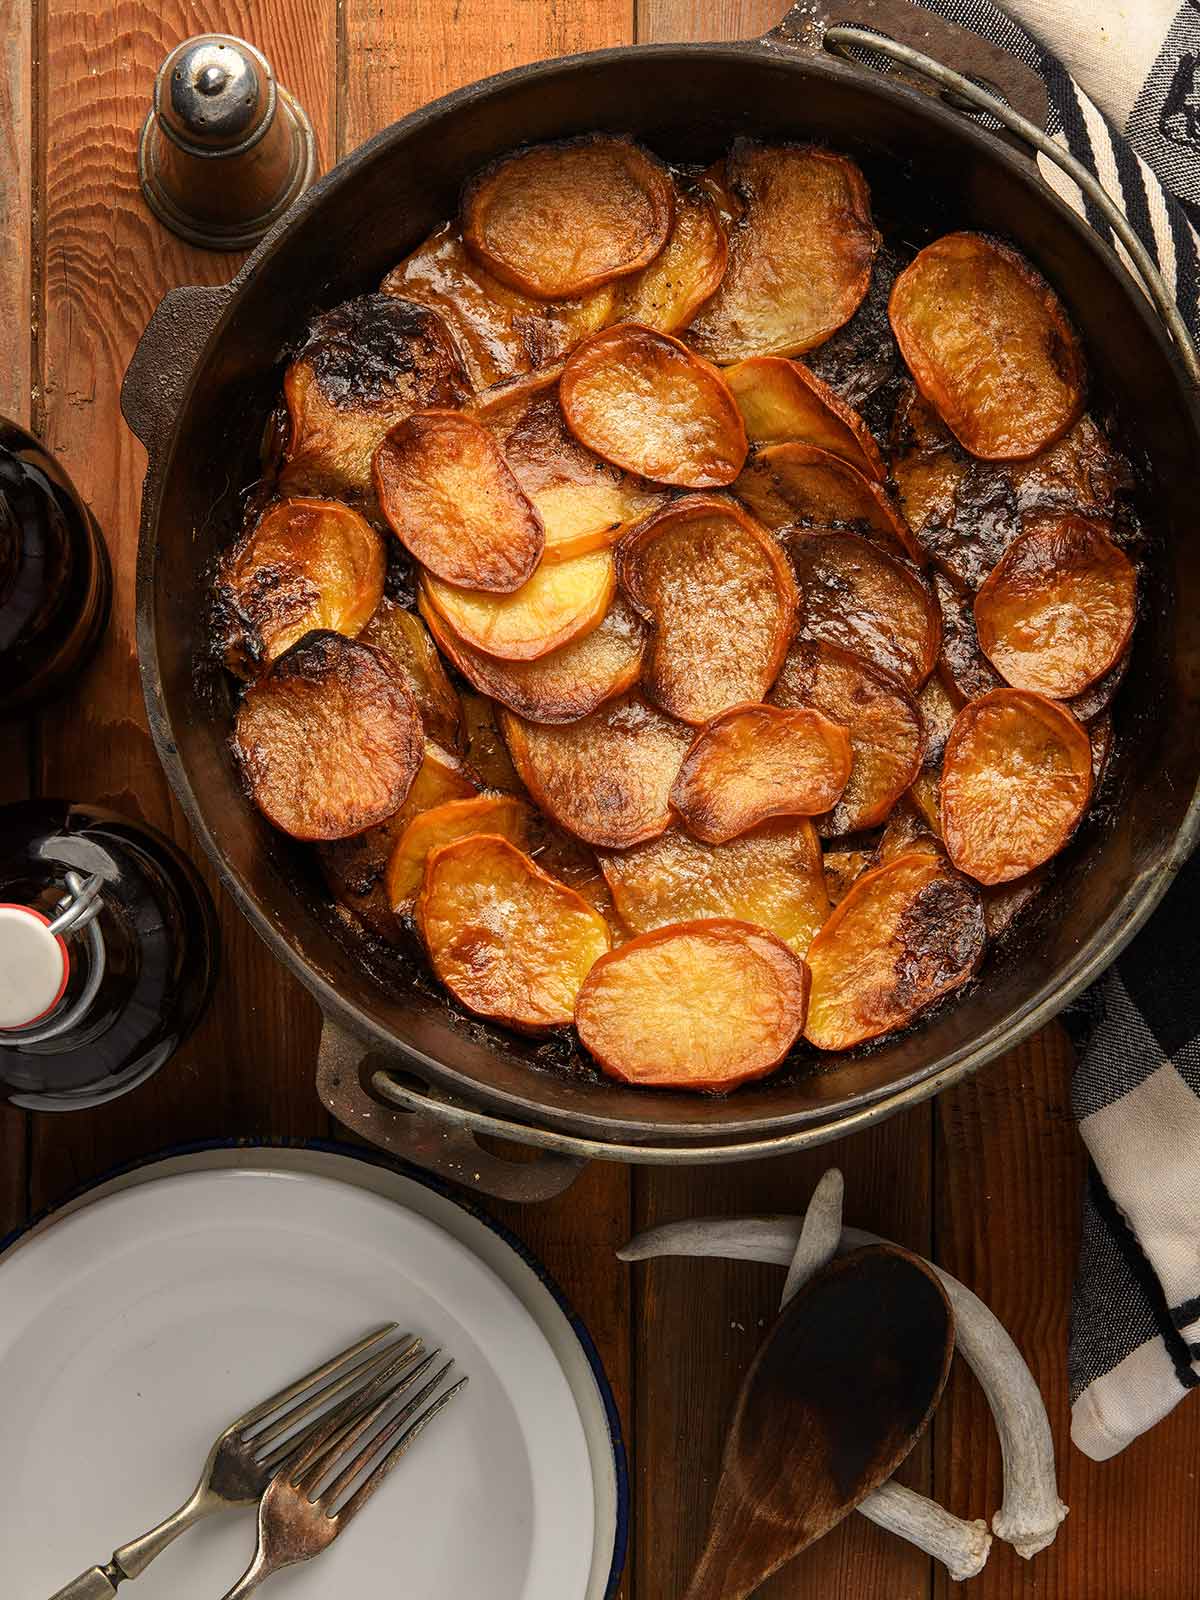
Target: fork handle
(94, 1584)
(132, 1559)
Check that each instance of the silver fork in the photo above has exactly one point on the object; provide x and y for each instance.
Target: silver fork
(304, 1508)
(244, 1458)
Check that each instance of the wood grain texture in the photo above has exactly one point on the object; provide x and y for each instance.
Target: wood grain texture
(674, 21)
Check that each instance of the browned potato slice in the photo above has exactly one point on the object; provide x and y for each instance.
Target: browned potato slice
(608, 777)
(786, 484)
(800, 253)
(1100, 736)
(990, 345)
(938, 711)
(584, 502)
(330, 739)
(754, 762)
(1016, 778)
(1058, 610)
(562, 600)
(907, 933)
(499, 331)
(501, 814)
(882, 719)
(706, 1005)
(566, 684)
(486, 752)
(365, 366)
(668, 293)
(782, 402)
(506, 939)
(558, 219)
(451, 500)
(1003, 903)
(576, 864)
(905, 831)
(843, 868)
(772, 876)
(926, 795)
(859, 597)
(354, 868)
(645, 401)
(720, 596)
(965, 671)
(305, 564)
(402, 636)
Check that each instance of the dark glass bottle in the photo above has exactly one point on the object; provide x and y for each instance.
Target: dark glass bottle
(55, 582)
(108, 953)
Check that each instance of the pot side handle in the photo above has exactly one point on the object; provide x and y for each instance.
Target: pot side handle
(161, 366)
(413, 1127)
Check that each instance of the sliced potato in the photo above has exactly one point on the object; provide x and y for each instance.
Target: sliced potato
(938, 710)
(330, 739)
(800, 253)
(772, 876)
(1016, 779)
(449, 497)
(562, 600)
(305, 564)
(789, 484)
(905, 831)
(860, 598)
(576, 864)
(1058, 610)
(989, 344)
(508, 941)
(907, 933)
(1100, 736)
(782, 402)
(925, 793)
(668, 293)
(499, 332)
(706, 1005)
(754, 762)
(843, 868)
(501, 814)
(646, 402)
(881, 717)
(584, 503)
(1003, 903)
(403, 637)
(1096, 700)
(965, 671)
(365, 366)
(566, 684)
(486, 752)
(721, 600)
(607, 778)
(556, 220)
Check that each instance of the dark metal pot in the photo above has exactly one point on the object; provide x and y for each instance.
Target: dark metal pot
(206, 375)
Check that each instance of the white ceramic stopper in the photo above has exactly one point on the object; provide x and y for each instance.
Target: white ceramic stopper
(34, 966)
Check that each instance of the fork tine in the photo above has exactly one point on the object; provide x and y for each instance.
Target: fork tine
(256, 1413)
(333, 1428)
(336, 1443)
(334, 1456)
(374, 1372)
(366, 1489)
(343, 1380)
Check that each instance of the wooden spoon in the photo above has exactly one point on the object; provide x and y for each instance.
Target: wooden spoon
(837, 1396)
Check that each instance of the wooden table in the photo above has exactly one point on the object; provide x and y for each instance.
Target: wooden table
(986, 1179)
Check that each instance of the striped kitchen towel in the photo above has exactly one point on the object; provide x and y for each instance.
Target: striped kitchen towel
(1123, 81)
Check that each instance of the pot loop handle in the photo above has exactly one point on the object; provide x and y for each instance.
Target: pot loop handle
(158, 374)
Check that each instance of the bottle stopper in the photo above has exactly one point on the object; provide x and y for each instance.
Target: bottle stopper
(34, 966)
(225, 149)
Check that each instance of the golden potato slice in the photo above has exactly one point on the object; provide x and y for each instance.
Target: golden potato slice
(404, 638)
(576, 864)
(782, 402)
(1016, 779)
(904, 832)
(772, 876)
(907, 933)
(562, 600)
(881, 717)
(843, 868)
(800, 253)
(486, 752)
(668, 293)
(754, 762)
(566, 684)
(706, 1005)
(607, 778)
(1059, 609)
(499, 332)
(508, 941)
(989, 345)
(500, 814)
(355, 868)
(860, 598)
(365, 366)
(557, 220)
(450, 499)
(305, 564)
(645, 401)
(789, 484)
(721, 600)
(330, 739)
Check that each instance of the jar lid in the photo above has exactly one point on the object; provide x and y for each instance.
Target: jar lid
(34, 966)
